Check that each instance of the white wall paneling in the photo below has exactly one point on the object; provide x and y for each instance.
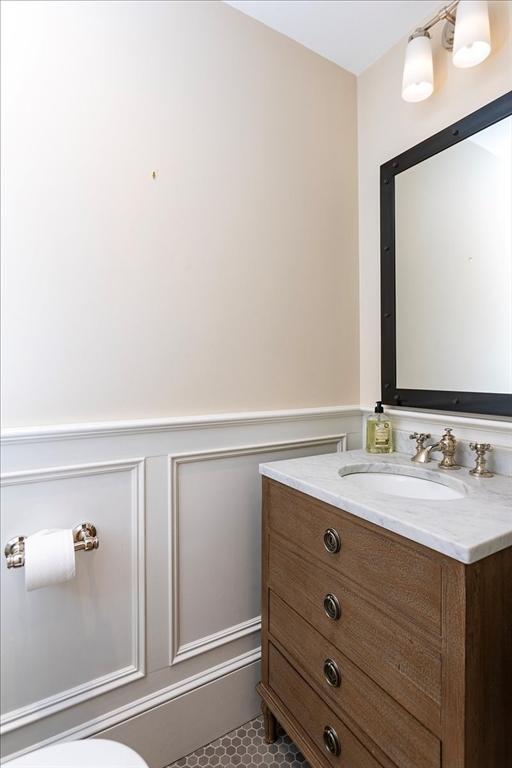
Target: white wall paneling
(202, 512)
(79, 639)
(215, 506)
(195, 483)
(193, 497)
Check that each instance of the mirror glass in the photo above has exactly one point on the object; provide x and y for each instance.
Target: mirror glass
(453, 240)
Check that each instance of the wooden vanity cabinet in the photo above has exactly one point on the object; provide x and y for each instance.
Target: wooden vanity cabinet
(379, 652)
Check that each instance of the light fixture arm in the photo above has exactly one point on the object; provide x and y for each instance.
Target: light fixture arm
(444, 14)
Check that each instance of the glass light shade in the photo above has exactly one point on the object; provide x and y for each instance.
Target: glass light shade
(472, 41)
(418, 79)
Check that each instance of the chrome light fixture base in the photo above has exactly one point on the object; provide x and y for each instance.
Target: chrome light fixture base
(448, 35)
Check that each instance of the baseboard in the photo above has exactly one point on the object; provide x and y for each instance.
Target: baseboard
(164, 734)
(135, 709)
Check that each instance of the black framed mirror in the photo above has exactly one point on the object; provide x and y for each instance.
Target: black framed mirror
(446, 268)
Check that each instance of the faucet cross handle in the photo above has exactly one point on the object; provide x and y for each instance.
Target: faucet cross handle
(480, 468)
(420, 438)
(422, 455)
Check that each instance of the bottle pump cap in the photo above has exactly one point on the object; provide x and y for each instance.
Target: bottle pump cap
(378, 407)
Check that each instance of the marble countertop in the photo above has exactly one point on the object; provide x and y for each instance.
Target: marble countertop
(466, 529)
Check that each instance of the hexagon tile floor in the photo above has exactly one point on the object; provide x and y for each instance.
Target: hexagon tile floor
(246, 748)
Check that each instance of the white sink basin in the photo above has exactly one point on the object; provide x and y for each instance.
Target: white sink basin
(410, 483)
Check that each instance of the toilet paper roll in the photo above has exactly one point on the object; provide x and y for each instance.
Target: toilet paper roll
(49, 558)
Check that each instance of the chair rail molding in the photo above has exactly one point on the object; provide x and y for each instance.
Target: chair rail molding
(13, 435)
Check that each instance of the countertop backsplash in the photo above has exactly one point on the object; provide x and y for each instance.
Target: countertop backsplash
(498, 460)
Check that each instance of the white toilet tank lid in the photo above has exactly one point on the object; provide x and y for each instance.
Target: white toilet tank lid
(89, 753)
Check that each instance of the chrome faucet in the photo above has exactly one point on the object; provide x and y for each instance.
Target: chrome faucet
(422, 455)
(446, 446)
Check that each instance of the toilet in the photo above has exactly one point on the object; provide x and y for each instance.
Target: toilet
(89, 753)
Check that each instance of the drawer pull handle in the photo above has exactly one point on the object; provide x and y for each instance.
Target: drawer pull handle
(332, 673)
(331, 741)
(332, 540)
(332, 606)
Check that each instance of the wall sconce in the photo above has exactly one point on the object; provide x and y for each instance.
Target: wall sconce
(418, 80)
(466, 33)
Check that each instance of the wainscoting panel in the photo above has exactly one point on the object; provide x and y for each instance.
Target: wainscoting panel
(64, 644)
(163, 619)
(215, 539)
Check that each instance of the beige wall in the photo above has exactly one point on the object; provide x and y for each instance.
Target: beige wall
(388, 126)
(229, 282)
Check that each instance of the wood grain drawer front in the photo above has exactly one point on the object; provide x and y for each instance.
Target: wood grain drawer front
(398, 661)
(406, 742)
(397, 574)
(314, 716)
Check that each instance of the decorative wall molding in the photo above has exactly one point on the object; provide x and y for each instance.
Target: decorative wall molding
(177, 651)
(145, 703)
(37, 710)
(50, 433)
(68, 472)
(17, 718)
(209, 642)
(13, 435)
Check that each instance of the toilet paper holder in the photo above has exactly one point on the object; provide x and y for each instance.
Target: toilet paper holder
(84, 538)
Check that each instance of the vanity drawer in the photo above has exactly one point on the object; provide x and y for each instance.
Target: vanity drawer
(314, 716)
(398, 660)
(401, 736)
(397, 574)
